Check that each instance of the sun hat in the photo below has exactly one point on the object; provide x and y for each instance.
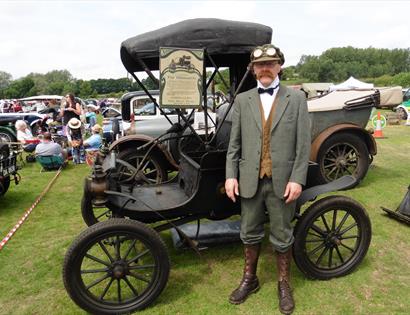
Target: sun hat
(267, 52)
(96, 128)
(74, 123)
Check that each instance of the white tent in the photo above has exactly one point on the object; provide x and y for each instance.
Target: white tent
(351, 84)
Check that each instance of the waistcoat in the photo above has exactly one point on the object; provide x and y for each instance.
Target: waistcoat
(265, 168)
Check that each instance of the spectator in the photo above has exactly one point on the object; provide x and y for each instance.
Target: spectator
(48, 147)
(90, 116)
(75, 138)
(94, 142)
(72, 109)
(25, 136)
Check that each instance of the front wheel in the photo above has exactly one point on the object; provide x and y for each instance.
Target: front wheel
(116, 267)
(331, 237)
(343, 154)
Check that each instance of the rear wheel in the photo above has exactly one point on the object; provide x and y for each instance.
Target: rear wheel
(343, 154)
(152, 171)
(116, 267)
(331, 237)
(402, 113)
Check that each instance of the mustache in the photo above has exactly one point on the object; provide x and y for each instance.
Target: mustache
(265, 74)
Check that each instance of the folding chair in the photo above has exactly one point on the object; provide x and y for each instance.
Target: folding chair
(50, 162)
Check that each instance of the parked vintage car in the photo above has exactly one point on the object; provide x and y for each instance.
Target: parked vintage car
(122, 265)
(7, 120)
(403, 109)
(8, 168)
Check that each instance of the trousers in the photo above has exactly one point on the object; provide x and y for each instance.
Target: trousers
(264, 206)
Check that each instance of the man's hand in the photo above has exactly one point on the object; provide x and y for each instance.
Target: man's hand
(232, 188)
(292, 192)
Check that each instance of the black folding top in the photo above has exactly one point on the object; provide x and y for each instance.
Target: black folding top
(228, 42)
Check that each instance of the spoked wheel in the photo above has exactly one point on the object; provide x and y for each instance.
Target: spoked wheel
(343, 154)
(402, 113)
(92, 214)
(151, 172)
(116, 267)
(7, 137)
(331, 238)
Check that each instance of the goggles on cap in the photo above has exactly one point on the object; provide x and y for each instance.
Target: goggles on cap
(264, 51)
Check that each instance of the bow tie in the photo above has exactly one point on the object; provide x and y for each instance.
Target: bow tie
(268, 90)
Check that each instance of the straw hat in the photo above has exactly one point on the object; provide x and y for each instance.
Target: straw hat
(74, 123)
(96, 128)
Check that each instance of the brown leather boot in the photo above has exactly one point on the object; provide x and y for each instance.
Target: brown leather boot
(286, 302)
(250, 282)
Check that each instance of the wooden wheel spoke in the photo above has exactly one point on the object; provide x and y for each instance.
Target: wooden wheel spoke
(316, 249)
(325, 223)
(105, 251)
(139, 277)
(117, 248)
(119, 290)
(140, 267)
(345, 246)
(97, 260)
(316, 235)
(129, 249)
(334, 220)
(97, 281)
(339, 254)
(342, 222)
(138, 256)
(94, 270)
(319, 259)
(106, 289)
(348, 228)
(350, 237)
(330, 257)
(318, 230)
(131, 286)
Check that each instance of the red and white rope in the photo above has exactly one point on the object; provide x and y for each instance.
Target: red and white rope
(27, 213)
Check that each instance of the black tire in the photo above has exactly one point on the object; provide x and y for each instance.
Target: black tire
(342, 154)
(153, 172)
(4, 151)
(402, 113)
(7, 136)
(101, 279)
(322, 250)
(91, 214)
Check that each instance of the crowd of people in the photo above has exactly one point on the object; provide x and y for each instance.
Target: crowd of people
(73, 128)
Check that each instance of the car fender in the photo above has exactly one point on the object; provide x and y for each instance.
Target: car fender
(354, 129)
(140, 139)
(9, 130)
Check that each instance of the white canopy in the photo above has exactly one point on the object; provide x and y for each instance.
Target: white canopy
(42, 97)
(350, 84)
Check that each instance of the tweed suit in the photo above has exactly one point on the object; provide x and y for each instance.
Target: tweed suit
(289, 151)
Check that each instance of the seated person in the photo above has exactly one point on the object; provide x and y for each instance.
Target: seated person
(94, 142)
(75, 139)
(49, 148)
(25, 136)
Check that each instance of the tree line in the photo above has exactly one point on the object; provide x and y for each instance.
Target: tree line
(60, 82)
(380, 66)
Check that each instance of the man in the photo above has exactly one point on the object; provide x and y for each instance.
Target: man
(268, 154)
(49, 148)
(94, 142)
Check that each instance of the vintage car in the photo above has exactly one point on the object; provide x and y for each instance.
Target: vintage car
(403, 109)
(8, 168)
(7, 121)
(121, 265)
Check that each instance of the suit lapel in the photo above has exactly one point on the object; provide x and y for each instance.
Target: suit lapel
(254, 101)
(283, 100)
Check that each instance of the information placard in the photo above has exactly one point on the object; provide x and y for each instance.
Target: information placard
(181, 77)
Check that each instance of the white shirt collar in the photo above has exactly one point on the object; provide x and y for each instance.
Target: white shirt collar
(273, 84)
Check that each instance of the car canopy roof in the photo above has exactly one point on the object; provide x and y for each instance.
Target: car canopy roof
(228, 42)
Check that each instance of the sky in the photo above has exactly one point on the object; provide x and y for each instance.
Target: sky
(84, 37)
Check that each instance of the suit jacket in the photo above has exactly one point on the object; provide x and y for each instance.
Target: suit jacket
(289, 144)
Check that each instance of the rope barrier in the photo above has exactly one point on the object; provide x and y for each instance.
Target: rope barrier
(27, 213)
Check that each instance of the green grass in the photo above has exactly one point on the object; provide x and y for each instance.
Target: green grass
(31, 262)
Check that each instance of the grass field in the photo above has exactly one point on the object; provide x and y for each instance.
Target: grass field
(31, 262)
